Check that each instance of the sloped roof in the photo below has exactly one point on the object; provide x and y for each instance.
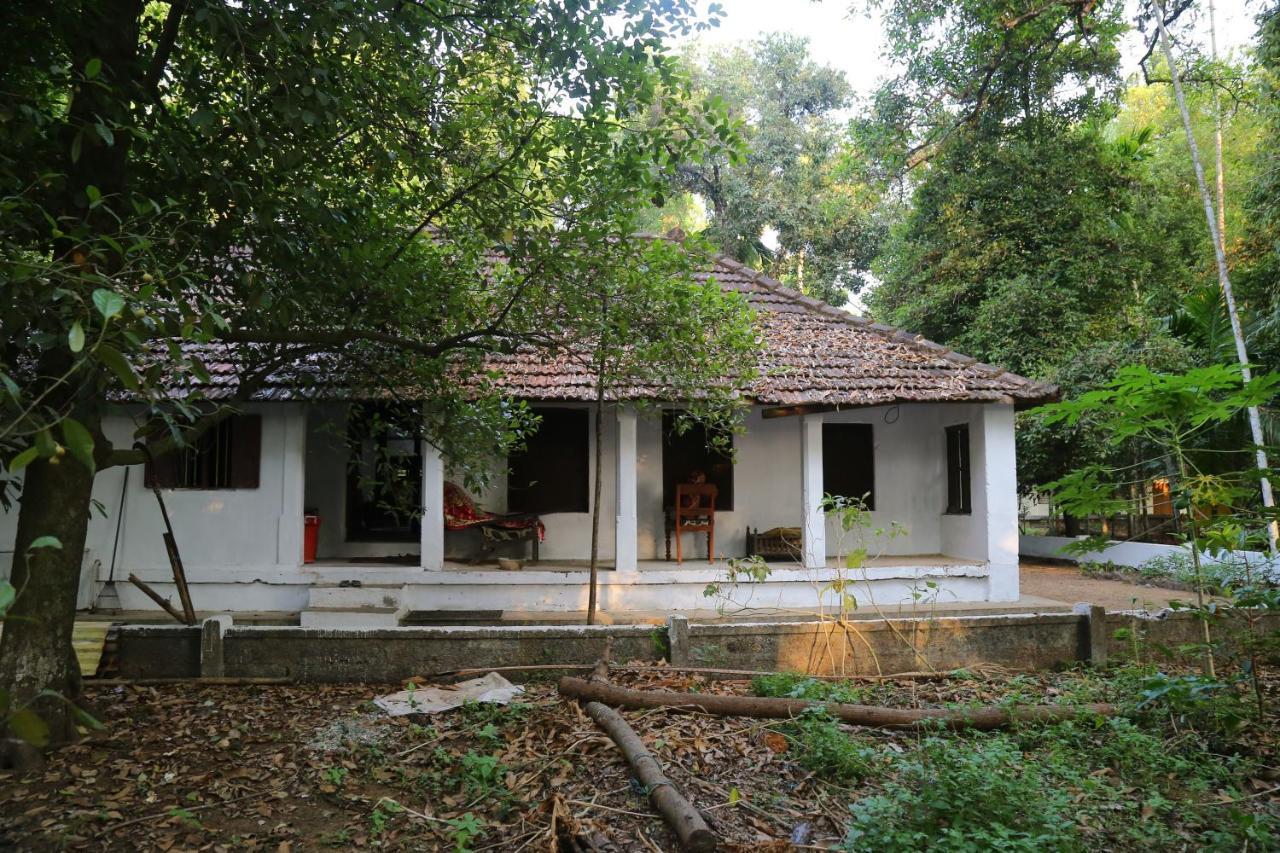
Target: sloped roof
(814, 355)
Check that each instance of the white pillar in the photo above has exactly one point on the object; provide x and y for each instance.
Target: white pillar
(293, 484)
(624, 531)
(997, 475)
(814, 527)
(432, 554)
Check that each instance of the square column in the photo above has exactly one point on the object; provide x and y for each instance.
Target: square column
(997, 476)
(432, 553)
(814, 522)
(293, 472)
(624, 531)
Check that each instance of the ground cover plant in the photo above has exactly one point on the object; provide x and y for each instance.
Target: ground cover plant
(317, 767)
(1176, 571)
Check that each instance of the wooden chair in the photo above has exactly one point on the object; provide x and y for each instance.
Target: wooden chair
(695, 512)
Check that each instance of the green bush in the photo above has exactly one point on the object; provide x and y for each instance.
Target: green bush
(821, 745)
(794, 686)
(1076, 785)
(952, 794)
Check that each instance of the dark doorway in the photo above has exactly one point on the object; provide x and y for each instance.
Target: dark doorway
(384, 478)
(553, 471)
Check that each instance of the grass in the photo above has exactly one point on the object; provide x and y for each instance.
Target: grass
(1167, 775)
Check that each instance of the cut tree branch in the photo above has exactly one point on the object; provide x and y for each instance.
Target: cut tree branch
(862, 715)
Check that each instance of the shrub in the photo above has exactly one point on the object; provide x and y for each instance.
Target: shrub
(954, 794)
(794, 686)
(821, 745)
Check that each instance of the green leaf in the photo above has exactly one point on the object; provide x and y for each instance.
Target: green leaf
(92, 68)
(108, 303)
(85, 718)
(23, 459)
(79, 442)
(112, 358)
(27, 725)
(7, 595)
(45, 542)
(75, 337)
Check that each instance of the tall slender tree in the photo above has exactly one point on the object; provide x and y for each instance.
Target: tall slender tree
(1224, 276)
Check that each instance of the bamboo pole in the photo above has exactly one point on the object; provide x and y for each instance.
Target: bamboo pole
(1224, 276)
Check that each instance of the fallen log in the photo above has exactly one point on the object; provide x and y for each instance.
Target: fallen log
(863, 715)
(728, 674)
(680, 815)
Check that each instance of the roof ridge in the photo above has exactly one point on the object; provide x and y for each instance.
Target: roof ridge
(890, 333)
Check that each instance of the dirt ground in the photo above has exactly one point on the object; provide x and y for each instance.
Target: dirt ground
(1067, 584)
(292, 768)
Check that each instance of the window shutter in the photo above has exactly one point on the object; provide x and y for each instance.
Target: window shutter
(246, 451)
(959, 498)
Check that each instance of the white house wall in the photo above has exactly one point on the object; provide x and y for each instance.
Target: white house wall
(249, 539)
(240, 537)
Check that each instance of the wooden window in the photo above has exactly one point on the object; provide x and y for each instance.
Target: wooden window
(553, 471)
(848, 462)
(958, 476)
(684, 455)
(226, 456)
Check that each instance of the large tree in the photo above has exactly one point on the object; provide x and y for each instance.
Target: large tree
(1023, 252)
(373, 193)
(1038, 234)
(796, 202)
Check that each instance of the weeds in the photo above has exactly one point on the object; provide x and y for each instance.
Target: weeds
(793, 686)
(1075, 785)
(829, 750)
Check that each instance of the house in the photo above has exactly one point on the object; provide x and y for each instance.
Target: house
(842, 406)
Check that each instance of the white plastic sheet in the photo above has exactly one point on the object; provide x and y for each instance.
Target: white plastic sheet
(433, 698)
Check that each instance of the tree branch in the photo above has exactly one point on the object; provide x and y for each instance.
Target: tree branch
(164, 48)
(463, 191)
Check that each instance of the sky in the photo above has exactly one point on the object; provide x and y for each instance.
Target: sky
(852, 41)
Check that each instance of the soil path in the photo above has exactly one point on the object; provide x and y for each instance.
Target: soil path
(1066, 583)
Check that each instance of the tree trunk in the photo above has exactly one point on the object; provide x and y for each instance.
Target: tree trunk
(596, 500)
(1217, 137)
(1224, 277)
(35, 650)
(684, 820)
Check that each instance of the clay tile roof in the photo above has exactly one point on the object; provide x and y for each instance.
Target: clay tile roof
(814, 354)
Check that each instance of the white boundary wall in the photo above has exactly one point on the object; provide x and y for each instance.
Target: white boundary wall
(1131, 554)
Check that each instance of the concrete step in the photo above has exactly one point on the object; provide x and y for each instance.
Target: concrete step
(344, 617)
(354, 597)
